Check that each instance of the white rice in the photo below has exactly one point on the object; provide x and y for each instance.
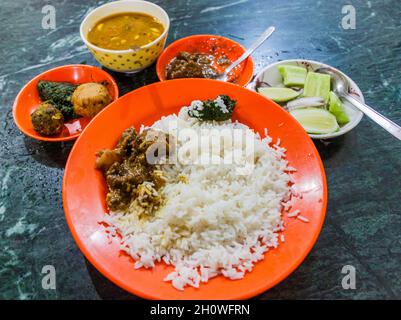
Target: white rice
(293, 214)
(302, 218)
(219, 223)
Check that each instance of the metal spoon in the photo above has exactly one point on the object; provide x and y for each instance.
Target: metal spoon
(341, 88)
(266, 34)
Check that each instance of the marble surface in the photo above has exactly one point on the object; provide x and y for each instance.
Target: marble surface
(363, 168)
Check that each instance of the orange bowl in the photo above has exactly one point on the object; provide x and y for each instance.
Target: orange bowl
(217, 46)
(84, 189)
(28, 99)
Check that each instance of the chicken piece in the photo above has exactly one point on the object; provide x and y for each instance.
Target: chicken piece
(47, 120)
(153, 144)
(126, 175)
(191, 65)
(122, 180)
(126, 142)
(89, 98)
(158, 178)
(117, 200)
(106, 158)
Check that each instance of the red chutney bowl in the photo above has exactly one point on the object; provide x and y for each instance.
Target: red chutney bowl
(28, 99)
(217, 46)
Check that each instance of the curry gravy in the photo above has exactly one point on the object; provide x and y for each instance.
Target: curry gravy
(124, 31)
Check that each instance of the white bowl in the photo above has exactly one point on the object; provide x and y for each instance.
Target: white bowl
(271, 76)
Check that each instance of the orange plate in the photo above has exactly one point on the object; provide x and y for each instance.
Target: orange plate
(209, 44)
(84, 189)
(28, 99)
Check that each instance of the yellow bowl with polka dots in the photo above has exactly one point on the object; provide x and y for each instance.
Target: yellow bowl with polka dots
(127, 61)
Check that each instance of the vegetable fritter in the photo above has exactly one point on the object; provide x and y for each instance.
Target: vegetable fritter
(59, 94)
(89, 98)
(47, 120)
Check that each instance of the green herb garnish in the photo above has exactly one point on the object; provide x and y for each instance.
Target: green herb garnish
(219, 109)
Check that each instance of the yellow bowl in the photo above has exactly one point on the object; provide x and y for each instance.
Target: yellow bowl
(128, 61)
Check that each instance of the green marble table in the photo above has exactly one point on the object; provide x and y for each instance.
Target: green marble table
(363, 224)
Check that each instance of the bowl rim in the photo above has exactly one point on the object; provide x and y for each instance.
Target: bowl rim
(37, 78)
(358, 118)
(151, 4)
(194, 36)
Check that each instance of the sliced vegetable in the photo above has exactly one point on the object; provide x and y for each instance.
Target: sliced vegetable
(279, 94)
(292, 75)
(336, 107)
(315, 120)
(317, 85)
(305, 102)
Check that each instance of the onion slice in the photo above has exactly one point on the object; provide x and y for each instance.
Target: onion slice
(305, 102)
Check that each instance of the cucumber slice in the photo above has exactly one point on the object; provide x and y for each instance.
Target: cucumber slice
(336, 107)
(279, 94)
(317, 85)
(315, 120)
(292, 75)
